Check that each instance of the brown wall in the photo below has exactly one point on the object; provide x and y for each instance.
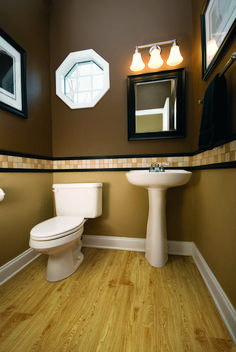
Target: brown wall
(27, 22)
(113, 29)
(199, 86)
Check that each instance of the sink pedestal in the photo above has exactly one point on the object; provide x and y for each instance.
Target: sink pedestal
(156, 237)
(157, 183)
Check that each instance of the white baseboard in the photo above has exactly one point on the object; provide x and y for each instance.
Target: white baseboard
(11, 268)
(180, 248)
(133, 244)
(225, 308)
(112, 242)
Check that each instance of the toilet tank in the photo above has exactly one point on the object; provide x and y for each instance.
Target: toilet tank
(78, 199)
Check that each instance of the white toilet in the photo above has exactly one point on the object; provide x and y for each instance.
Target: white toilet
(60, 236)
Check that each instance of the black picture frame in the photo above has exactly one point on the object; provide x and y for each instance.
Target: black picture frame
(13, 96)
(179, 131)
(218, 23)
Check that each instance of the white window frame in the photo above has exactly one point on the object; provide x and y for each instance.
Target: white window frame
(66, 66)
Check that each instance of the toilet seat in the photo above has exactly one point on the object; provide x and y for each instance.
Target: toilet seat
(56, 227)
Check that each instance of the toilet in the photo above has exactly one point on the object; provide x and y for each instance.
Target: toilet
(60, 236)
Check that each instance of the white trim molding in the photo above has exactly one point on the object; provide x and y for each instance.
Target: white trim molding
(8, 270)
(180, 248)
(133, 244)
(113, 242)
(224, 306)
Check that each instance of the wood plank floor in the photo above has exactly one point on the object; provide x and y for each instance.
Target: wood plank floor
(115, 302)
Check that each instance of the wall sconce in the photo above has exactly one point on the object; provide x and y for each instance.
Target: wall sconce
(156, 61)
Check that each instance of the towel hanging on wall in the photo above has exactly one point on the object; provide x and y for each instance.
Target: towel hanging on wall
(214, 124)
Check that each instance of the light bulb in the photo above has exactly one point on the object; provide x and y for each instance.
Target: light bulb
(175, 57)
(137, 63)
(155, 59)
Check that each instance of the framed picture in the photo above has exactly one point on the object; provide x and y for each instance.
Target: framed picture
(217, 24)
(12, 76)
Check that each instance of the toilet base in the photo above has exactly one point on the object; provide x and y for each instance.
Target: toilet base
(64, 264)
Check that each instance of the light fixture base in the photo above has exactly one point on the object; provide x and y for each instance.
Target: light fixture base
(175, 58)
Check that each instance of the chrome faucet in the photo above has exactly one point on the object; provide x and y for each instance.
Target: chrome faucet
(157, 168)
(154, 167)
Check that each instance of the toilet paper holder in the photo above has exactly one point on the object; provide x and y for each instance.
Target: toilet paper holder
(2, 195)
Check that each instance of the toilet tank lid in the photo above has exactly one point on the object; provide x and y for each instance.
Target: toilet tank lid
(77, 185)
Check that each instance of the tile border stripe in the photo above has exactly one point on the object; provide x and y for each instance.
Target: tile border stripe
(219, 155)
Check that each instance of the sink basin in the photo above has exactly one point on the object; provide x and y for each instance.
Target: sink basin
(157, 183)
(159, 180)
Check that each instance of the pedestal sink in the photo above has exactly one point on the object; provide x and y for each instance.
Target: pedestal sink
(157, 183)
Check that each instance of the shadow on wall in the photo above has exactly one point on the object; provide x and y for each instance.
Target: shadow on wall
(100, 225)
(179, 211)
(125, 210)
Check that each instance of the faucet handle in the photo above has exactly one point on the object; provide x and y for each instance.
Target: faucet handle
(162, 167)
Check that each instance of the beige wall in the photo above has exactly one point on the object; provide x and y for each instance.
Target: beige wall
(125, 207)
(214, 224)
(28, 200)
(120, 217)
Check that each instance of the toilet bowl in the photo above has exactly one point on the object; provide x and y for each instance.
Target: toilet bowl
(60, 236)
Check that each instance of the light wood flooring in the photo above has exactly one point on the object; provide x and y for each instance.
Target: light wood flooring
(115, 302)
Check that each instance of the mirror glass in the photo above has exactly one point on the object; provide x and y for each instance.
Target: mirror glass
(156, 105)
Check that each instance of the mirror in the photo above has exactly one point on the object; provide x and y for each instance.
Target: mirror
(156, 105)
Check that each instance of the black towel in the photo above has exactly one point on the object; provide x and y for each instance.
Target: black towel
(214, 124)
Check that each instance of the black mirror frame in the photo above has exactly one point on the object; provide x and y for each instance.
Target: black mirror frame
(178, 74)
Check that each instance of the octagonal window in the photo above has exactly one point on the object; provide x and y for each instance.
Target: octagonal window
(82, 79)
